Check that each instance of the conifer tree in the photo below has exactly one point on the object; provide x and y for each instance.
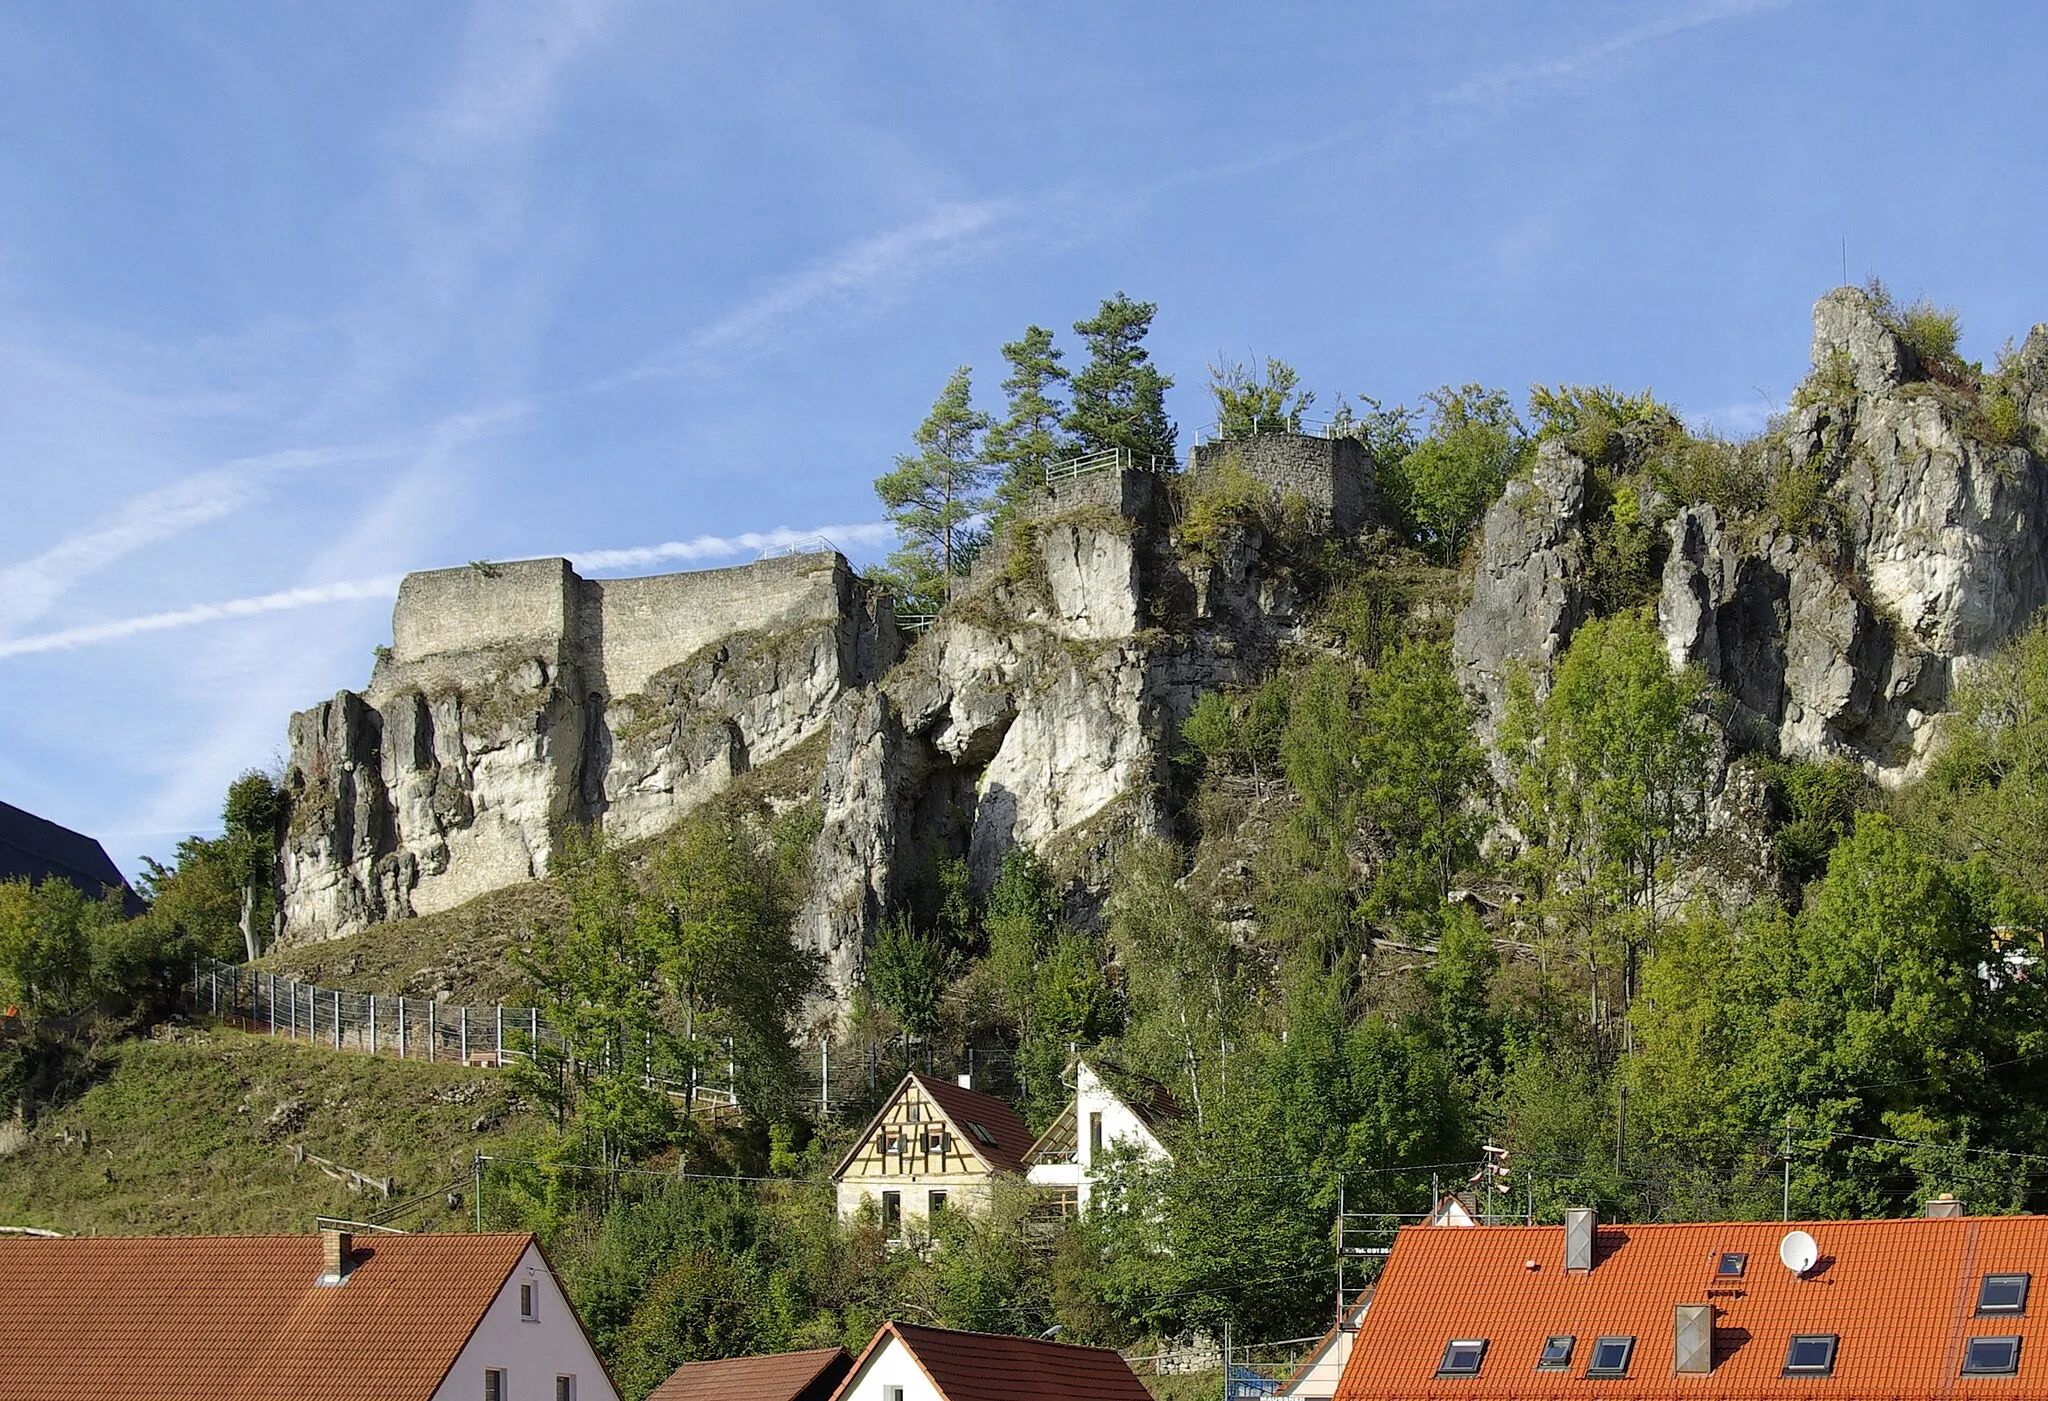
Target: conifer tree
(1029, 439)
(1119, 398)
(936, 496)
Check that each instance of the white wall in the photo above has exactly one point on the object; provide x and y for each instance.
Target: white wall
(532, 1354)
(1120, 1127)
(889, 1365)
(1319, 1383)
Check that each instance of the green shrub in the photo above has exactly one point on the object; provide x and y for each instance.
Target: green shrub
(1220, 500)
(1799, 497)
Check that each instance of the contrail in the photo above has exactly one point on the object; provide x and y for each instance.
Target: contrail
(840, 537)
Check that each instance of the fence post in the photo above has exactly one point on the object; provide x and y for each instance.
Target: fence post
(337, 1019)
(824, 1077)
(216, 992)
(401, 1026)
(533, 1035)
(462, 1036)
(433, 1029)
(373, 1023)
(500, 1009)
(270, 1003)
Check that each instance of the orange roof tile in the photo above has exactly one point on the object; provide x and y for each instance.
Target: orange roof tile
(224, 1318)
(997, 1367)
(1901, 1296)
(783, 1376)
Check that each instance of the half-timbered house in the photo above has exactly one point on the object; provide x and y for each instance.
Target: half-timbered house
(934, 1146)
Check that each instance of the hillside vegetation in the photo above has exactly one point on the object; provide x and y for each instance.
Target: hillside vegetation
(191, 1135)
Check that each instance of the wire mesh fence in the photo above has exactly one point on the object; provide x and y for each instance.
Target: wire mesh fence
(832, 1077)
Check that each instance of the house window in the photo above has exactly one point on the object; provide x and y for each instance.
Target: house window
(892, 1393)
(892, 1214)
(529, 1305)
(494, 1385)
(913, 1111)
(1610, 1357)
(2003, 1294)
(1556, 1354)
(565, 1388)
(1810, 1355)
(1462, 1357)
(892, 1142)
(1731, 1265)
(935, 1203)
(1991, 1357)
(935, 1141)
(1094, 1136)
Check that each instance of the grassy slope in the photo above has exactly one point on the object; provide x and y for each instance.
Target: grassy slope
(465, 952)
(185, 1136)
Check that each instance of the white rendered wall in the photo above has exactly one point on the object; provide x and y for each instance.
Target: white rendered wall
(1120, 1127)
(531, 1354)
(962, 1194)
(1319, 1383)
(889, 1365)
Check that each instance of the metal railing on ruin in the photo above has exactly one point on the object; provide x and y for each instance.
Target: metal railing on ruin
(1296, 424)
(1107, 460)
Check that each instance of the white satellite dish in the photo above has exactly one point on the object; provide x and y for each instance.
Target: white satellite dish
(1798, 1252)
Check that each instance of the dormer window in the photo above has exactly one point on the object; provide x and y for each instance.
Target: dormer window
(1810, 1355)
(1991, 1357)
(2003, 1294)
(1610, 1357)
(1462, 1357)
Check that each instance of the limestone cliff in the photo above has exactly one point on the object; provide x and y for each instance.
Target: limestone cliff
(518, 699)
(1916, 543)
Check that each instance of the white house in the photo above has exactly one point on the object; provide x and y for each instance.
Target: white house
(1102, 1117)
(910, 1362)
(333, 1317)
(1317, 1377)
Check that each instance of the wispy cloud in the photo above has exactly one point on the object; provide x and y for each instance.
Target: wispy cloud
(511, 69)
(871, 269)
(868, 535)
(855, 538)
(68, 638)
(28, 589)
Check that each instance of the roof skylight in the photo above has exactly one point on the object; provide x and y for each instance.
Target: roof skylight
(2003, 1294)
(1731, 1265)
(1462, 1357)
(1610, 1357)
(1810, 1355)
(1557, 1353)
(1991, 1357)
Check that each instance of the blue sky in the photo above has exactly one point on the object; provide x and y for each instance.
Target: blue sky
(295, 297)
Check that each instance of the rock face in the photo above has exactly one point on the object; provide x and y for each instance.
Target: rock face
(517, 699)
(1039, 710)
(1925, 548)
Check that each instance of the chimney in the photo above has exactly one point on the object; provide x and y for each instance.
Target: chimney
(335, 1247)
(1692, 1338)
(1944, 1205)
(965, 1079)
(1579, 1223)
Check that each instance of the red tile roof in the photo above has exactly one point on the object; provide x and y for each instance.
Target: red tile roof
(224, 1318)
(784, 1376)
(1901, 1296)
(996, 1367)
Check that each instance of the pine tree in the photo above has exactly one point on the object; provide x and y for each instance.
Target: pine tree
(1028, 440)
(1119, 398)
(936, 495)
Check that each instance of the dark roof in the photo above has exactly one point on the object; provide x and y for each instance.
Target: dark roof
(1900, 1295)
(995, 1367)
(37, 848)
(235, 1318)
(969, 1107)
(784, 1376)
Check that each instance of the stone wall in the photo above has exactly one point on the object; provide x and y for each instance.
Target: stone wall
(1333, 475)
(519, 699)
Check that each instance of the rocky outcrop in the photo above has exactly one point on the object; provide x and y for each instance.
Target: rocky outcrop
(1924, 548)
(519, 699)
(1039, 707)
